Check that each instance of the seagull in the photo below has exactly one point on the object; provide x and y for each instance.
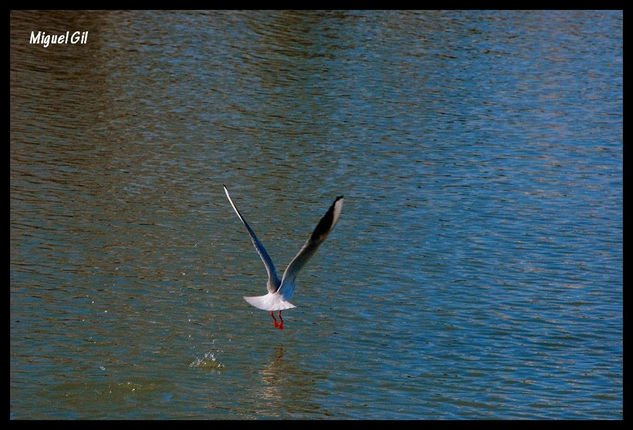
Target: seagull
(280, 291)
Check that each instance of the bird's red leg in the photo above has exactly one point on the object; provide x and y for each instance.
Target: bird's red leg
(274, 319)
(281, 324)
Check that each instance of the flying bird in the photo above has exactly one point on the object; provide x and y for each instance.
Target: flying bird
(280, 291)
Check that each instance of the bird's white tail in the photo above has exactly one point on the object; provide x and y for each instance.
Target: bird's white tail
(269, 302)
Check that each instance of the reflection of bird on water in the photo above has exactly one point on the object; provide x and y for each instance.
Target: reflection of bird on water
(272, 375)
(286, 387)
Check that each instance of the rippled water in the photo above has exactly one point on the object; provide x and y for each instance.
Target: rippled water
(476, 270)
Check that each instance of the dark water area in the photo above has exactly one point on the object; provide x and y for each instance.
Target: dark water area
(476, 269)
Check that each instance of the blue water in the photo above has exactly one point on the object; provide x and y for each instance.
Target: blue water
(476, 269)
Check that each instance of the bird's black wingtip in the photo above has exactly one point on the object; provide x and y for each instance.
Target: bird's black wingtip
(338, 198)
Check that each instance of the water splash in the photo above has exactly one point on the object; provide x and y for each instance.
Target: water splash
(209, 361)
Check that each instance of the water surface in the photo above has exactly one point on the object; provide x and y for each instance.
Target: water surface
(476, 270)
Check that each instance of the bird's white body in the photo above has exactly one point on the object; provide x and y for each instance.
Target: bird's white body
(270, 302)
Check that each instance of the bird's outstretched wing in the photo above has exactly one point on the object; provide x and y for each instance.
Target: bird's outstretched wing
(320, 233)
(273, 280)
